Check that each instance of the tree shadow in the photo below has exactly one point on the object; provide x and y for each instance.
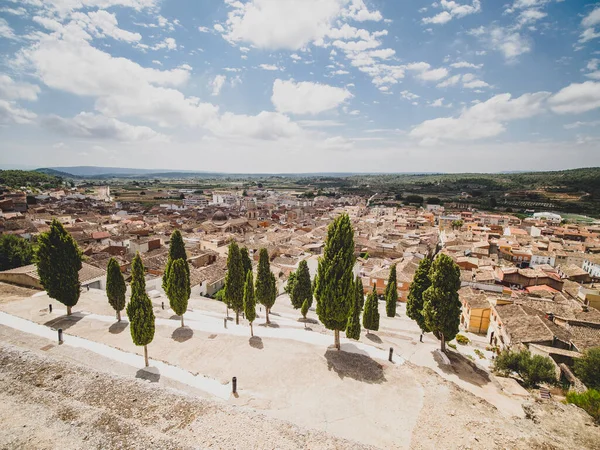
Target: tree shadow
(355, 366)
(256, 342)
(464, 368)
(117, 327)
(65, 322)
(182, 334)
(308, 320)
(175, 317)
(374, 338)
(269, 325)
(150, 374)
(271, 313)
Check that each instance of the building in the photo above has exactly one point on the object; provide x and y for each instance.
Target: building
(549, 217)
(27, 276)
(591, 264)
(475, 315)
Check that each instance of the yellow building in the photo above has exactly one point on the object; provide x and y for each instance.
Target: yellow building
(475, 316)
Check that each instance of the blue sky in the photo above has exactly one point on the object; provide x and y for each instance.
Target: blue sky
(301, 85)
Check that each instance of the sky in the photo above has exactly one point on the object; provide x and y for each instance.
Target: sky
(286, 86)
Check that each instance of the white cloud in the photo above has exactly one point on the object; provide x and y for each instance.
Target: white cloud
(14, 11)
(510, 43)
(424, 71)
(589, 24)
(408, 95)
(204, 29)
(280, 24)
(307, 97)
(578, 124)
(11, 113)
(102, 23)
(5, 30)
(359, 12)
(265, 125)
(465, 65)
(482, 120)
(217, 84)
(576, 98)
(168, 43)
(452, 81)
(270, 67)
(295, 57)
(90, 125)
(219, 27)
(452, 10)
(12, 90)
(530, 16)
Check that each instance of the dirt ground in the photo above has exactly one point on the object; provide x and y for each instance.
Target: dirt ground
(10, 292)
(287, 375)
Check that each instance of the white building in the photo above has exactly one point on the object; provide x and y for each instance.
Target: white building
(592, 266)
(548, 217)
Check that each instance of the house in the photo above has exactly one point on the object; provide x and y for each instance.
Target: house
(539, 257)
(522, 278)
(475, 314)
(573, 273)
(27, 276)
(591, 264)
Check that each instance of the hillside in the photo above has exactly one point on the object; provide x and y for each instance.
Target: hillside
(19, 178)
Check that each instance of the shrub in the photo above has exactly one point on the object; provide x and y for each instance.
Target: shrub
(462, 340)
(532, 369)
(589, 401)
(587, 368)
(479, 353)
(451, 345)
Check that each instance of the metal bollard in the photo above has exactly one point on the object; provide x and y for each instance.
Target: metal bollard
(50, 307)
(234, 385)
(391, 353)
(60, 336)
(225, 322)
(163, 305)
(421, 338)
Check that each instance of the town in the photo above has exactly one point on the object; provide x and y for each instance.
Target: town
(527, 283)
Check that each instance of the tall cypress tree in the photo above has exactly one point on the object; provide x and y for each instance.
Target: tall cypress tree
(371, 313)
(302, 289)
(115, 287)
(139, 308)
(353, 327)
(334, 287)
(58, 263)
(265, 282)
(176, 251)
(414, 301)
(246, 261)
(359, 288)
(391, 293)
(249, 300)
(178, 288)
(234, 281)
(441, 305)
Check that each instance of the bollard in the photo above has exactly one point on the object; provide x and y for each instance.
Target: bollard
(225, 322)
(391, 353)
(162, 305)
(421, 338)
(60, 336)
(234, 385)
(50, 307)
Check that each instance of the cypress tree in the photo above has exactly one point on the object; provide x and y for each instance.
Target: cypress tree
(302, 289)
(371, 314)
(414, 302)
(334, 287)
(265, 282)
(249, 300)
(178, 288)
(176, 251)
(304, 310)
(441, 305)
(58, 263)
(353, 327)
(246, 261)
(234, 281)
(391, 293)
(139, 308)
(115, 287)
(289, 287)
(359, 288)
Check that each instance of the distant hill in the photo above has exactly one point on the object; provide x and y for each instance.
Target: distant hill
(56, 173)
(93, 171)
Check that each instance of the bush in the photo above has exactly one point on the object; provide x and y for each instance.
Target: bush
(451, 345)
(462, 340)
(587, 368)
(532, 369)
(589, 401)
(479, 353)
